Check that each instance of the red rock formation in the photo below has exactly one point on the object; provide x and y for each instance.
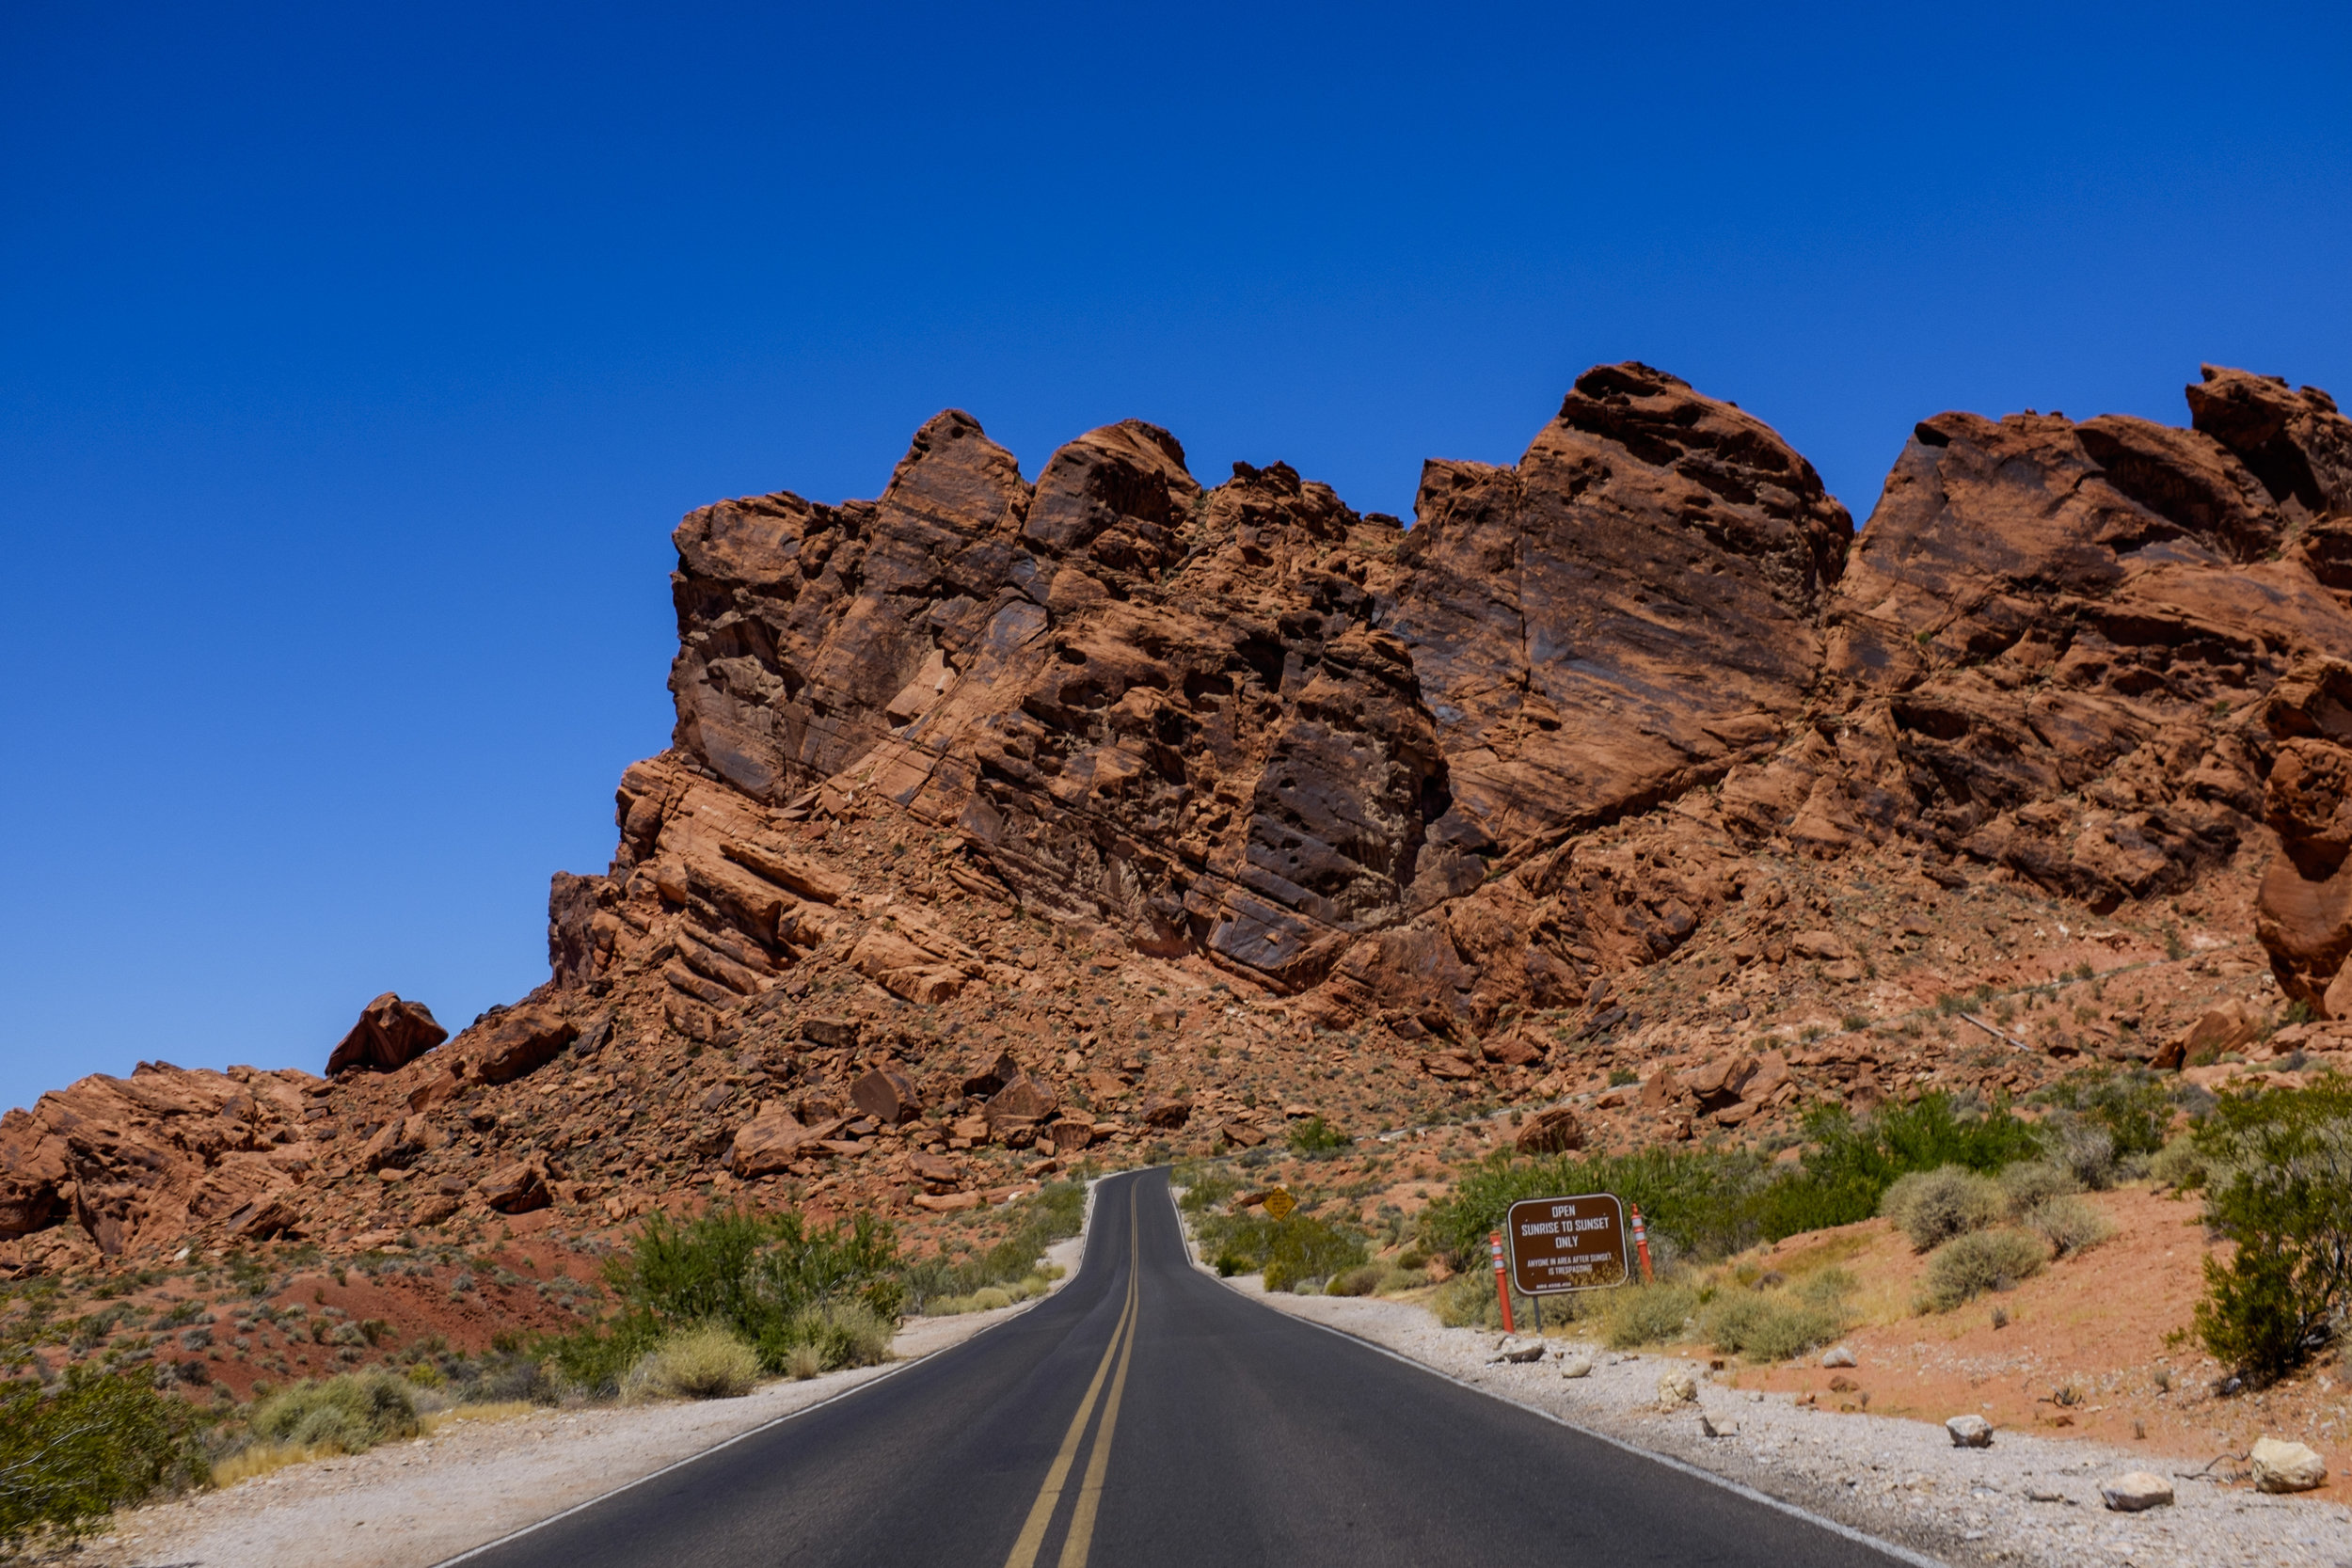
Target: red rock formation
(389, 1035)
(982, 769)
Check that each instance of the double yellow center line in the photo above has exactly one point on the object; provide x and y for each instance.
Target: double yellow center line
(1075, 1545)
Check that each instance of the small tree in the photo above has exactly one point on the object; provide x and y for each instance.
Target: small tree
(2280, 1185)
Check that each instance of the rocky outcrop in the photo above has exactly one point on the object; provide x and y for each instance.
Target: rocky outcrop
(128, 1159)
(389, 1035)
(977, 786)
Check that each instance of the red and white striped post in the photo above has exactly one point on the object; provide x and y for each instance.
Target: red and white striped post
(1641, 1240)
(1503, 1280)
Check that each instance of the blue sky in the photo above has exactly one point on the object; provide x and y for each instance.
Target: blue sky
(355, 364)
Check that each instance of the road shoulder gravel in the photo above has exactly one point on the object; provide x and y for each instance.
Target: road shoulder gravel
(2024, 1501)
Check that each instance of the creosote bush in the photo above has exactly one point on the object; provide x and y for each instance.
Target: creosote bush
(2068, 1223)
(2277, 1174)
(70, 1454)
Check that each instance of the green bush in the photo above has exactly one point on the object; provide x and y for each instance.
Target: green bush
(775, 1281)
(1707, 1203)
(1637, 1315)
(2279, 1184)
(1967, 1266)
(349, 1414)
(2178, 1165)
(71, 1455)
(1468, 1301)
(1315, 1135)
(1767, 1326)
(1933, 1206)
(2133, 1107)
(1288, 1251)
(1357, 1282)
(706, 1363)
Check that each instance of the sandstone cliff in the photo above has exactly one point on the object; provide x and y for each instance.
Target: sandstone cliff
(1118, 771)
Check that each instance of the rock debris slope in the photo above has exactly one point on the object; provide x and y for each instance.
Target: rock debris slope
(1004, 819)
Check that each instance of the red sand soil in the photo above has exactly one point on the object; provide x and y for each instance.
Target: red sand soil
(2103, 1324)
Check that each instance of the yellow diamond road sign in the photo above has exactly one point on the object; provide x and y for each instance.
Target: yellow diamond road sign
(1280, 1203)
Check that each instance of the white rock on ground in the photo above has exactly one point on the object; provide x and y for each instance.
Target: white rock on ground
(2135, 1491)
(2280, 1466)
(1838, 1356)
(1675, 1388)
(1899, 1481)
(1970, 1432)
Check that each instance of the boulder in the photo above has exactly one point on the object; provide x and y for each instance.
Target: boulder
(1838, 1356)
(947, 1203)
(518, 1041)
(2135, 1491)
(887, 1096)
(1677, 1389)
(1715, 1423)
(1169, 1114)
(771, 1140)
(840, 1033)
(1517, 1351)
(2282, 1466)
(1554, 1131)
(389, 1035)
(1023, 1102)
(936, 1170)
(1576, 1364)
(993, 1077)
(516, 1189)
(1970, 1432)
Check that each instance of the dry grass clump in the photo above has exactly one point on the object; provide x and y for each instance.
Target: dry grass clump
(707, 1363)
(988, 1298)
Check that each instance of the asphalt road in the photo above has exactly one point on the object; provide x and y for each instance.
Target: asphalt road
(1146, 1415)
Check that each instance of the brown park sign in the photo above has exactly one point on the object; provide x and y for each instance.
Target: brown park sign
(1567, 1244)
(1280, 1203)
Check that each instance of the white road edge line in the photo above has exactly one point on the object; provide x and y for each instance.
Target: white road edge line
(1901, 1554)
(472, 1552)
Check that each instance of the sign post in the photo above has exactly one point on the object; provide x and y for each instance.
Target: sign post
(1559, 1245)
(1503, 1282)
(1641, 1240)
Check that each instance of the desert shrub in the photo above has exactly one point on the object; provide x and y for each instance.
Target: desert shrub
(773, 1280)
(1054, 1213)
(1288, 1251)
(1933, 1207)
(1967, 1266)
(1315, 1135)
(2279, 1184)
(803, 1362)
(2134, 1107)
(1647, 1314)
(2178, 1165)
(2068, 1223)
(1825, 1287)
(349, 1414)
(2029, 1183)
(2083, 1148)
(1767, 1326)
(706, 1363)
(1467, 1301)
(1357, 1282)
(1707, 1203)
(70, 1454)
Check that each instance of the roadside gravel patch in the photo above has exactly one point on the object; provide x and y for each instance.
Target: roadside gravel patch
(2023, 1500)
(411, 1505)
